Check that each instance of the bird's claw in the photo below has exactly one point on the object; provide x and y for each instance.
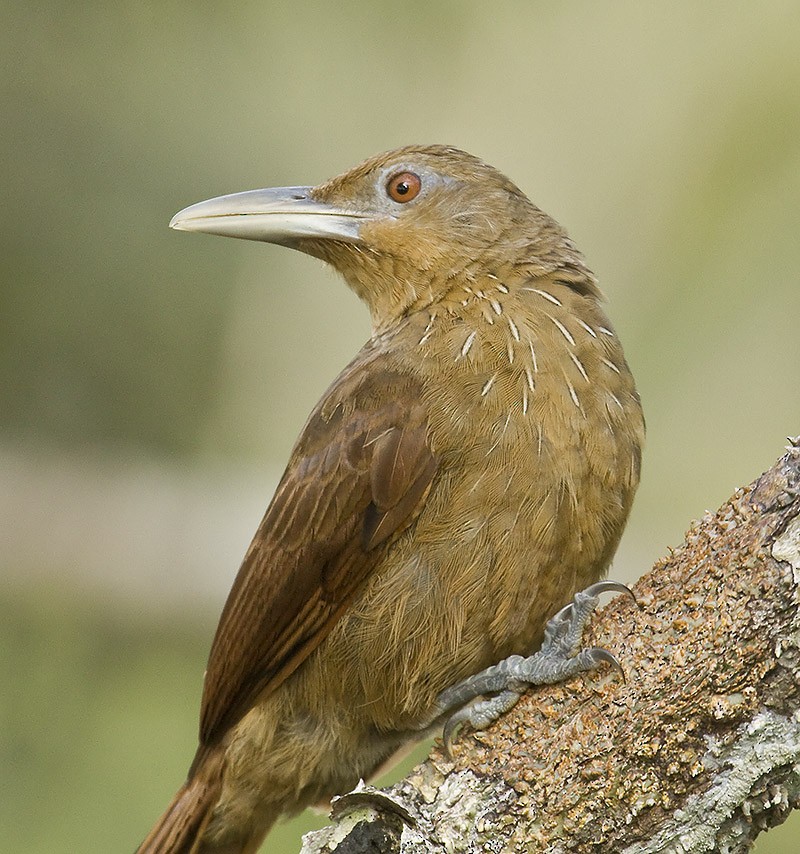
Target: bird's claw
(596, 656)
(559, 658)
(479, 714)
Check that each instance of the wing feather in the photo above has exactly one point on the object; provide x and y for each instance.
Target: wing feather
(358, 475)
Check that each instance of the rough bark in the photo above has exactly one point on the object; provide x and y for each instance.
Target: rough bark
(697, 750)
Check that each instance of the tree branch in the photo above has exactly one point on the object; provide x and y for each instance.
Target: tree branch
(699, 749)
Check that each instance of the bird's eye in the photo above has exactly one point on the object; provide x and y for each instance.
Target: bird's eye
(404, 187)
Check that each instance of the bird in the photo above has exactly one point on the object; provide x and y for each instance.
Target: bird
(468, 472)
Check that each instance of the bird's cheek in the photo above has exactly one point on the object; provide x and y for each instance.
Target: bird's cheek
(404, 242)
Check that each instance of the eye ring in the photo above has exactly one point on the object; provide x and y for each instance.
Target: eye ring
(403, 187)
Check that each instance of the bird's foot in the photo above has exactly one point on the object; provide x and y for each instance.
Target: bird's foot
(559, 658)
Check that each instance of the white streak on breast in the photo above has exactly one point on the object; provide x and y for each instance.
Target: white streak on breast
(573, 394)
(562, 329)
(547, 296)
(579, 366)
(465, 347)
(533, 358)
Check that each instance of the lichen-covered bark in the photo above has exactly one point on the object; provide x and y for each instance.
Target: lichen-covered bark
(698, 750)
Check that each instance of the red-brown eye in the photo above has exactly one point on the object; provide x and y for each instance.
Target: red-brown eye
(403, 187)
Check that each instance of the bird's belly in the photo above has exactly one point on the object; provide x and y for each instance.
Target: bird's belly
(499, 547)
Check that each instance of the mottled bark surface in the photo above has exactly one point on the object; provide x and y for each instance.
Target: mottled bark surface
(698, 750)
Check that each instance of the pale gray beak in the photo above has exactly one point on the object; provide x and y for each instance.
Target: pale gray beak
(275, 215)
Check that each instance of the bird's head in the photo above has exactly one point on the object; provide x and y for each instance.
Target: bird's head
(403, 228)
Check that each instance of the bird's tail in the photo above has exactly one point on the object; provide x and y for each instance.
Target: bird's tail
(181, 827)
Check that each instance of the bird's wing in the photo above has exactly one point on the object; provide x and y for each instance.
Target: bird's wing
(358, 475)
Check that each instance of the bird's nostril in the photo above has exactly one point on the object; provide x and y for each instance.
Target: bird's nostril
(298, 197)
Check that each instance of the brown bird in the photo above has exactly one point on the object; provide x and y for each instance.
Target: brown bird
(466, 473)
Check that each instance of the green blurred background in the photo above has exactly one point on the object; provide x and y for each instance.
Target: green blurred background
(152, 383)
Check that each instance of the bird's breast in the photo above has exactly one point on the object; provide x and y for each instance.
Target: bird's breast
(532, 378)
(537, 426)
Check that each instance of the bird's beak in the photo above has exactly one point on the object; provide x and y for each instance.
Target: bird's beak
(276, 215)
